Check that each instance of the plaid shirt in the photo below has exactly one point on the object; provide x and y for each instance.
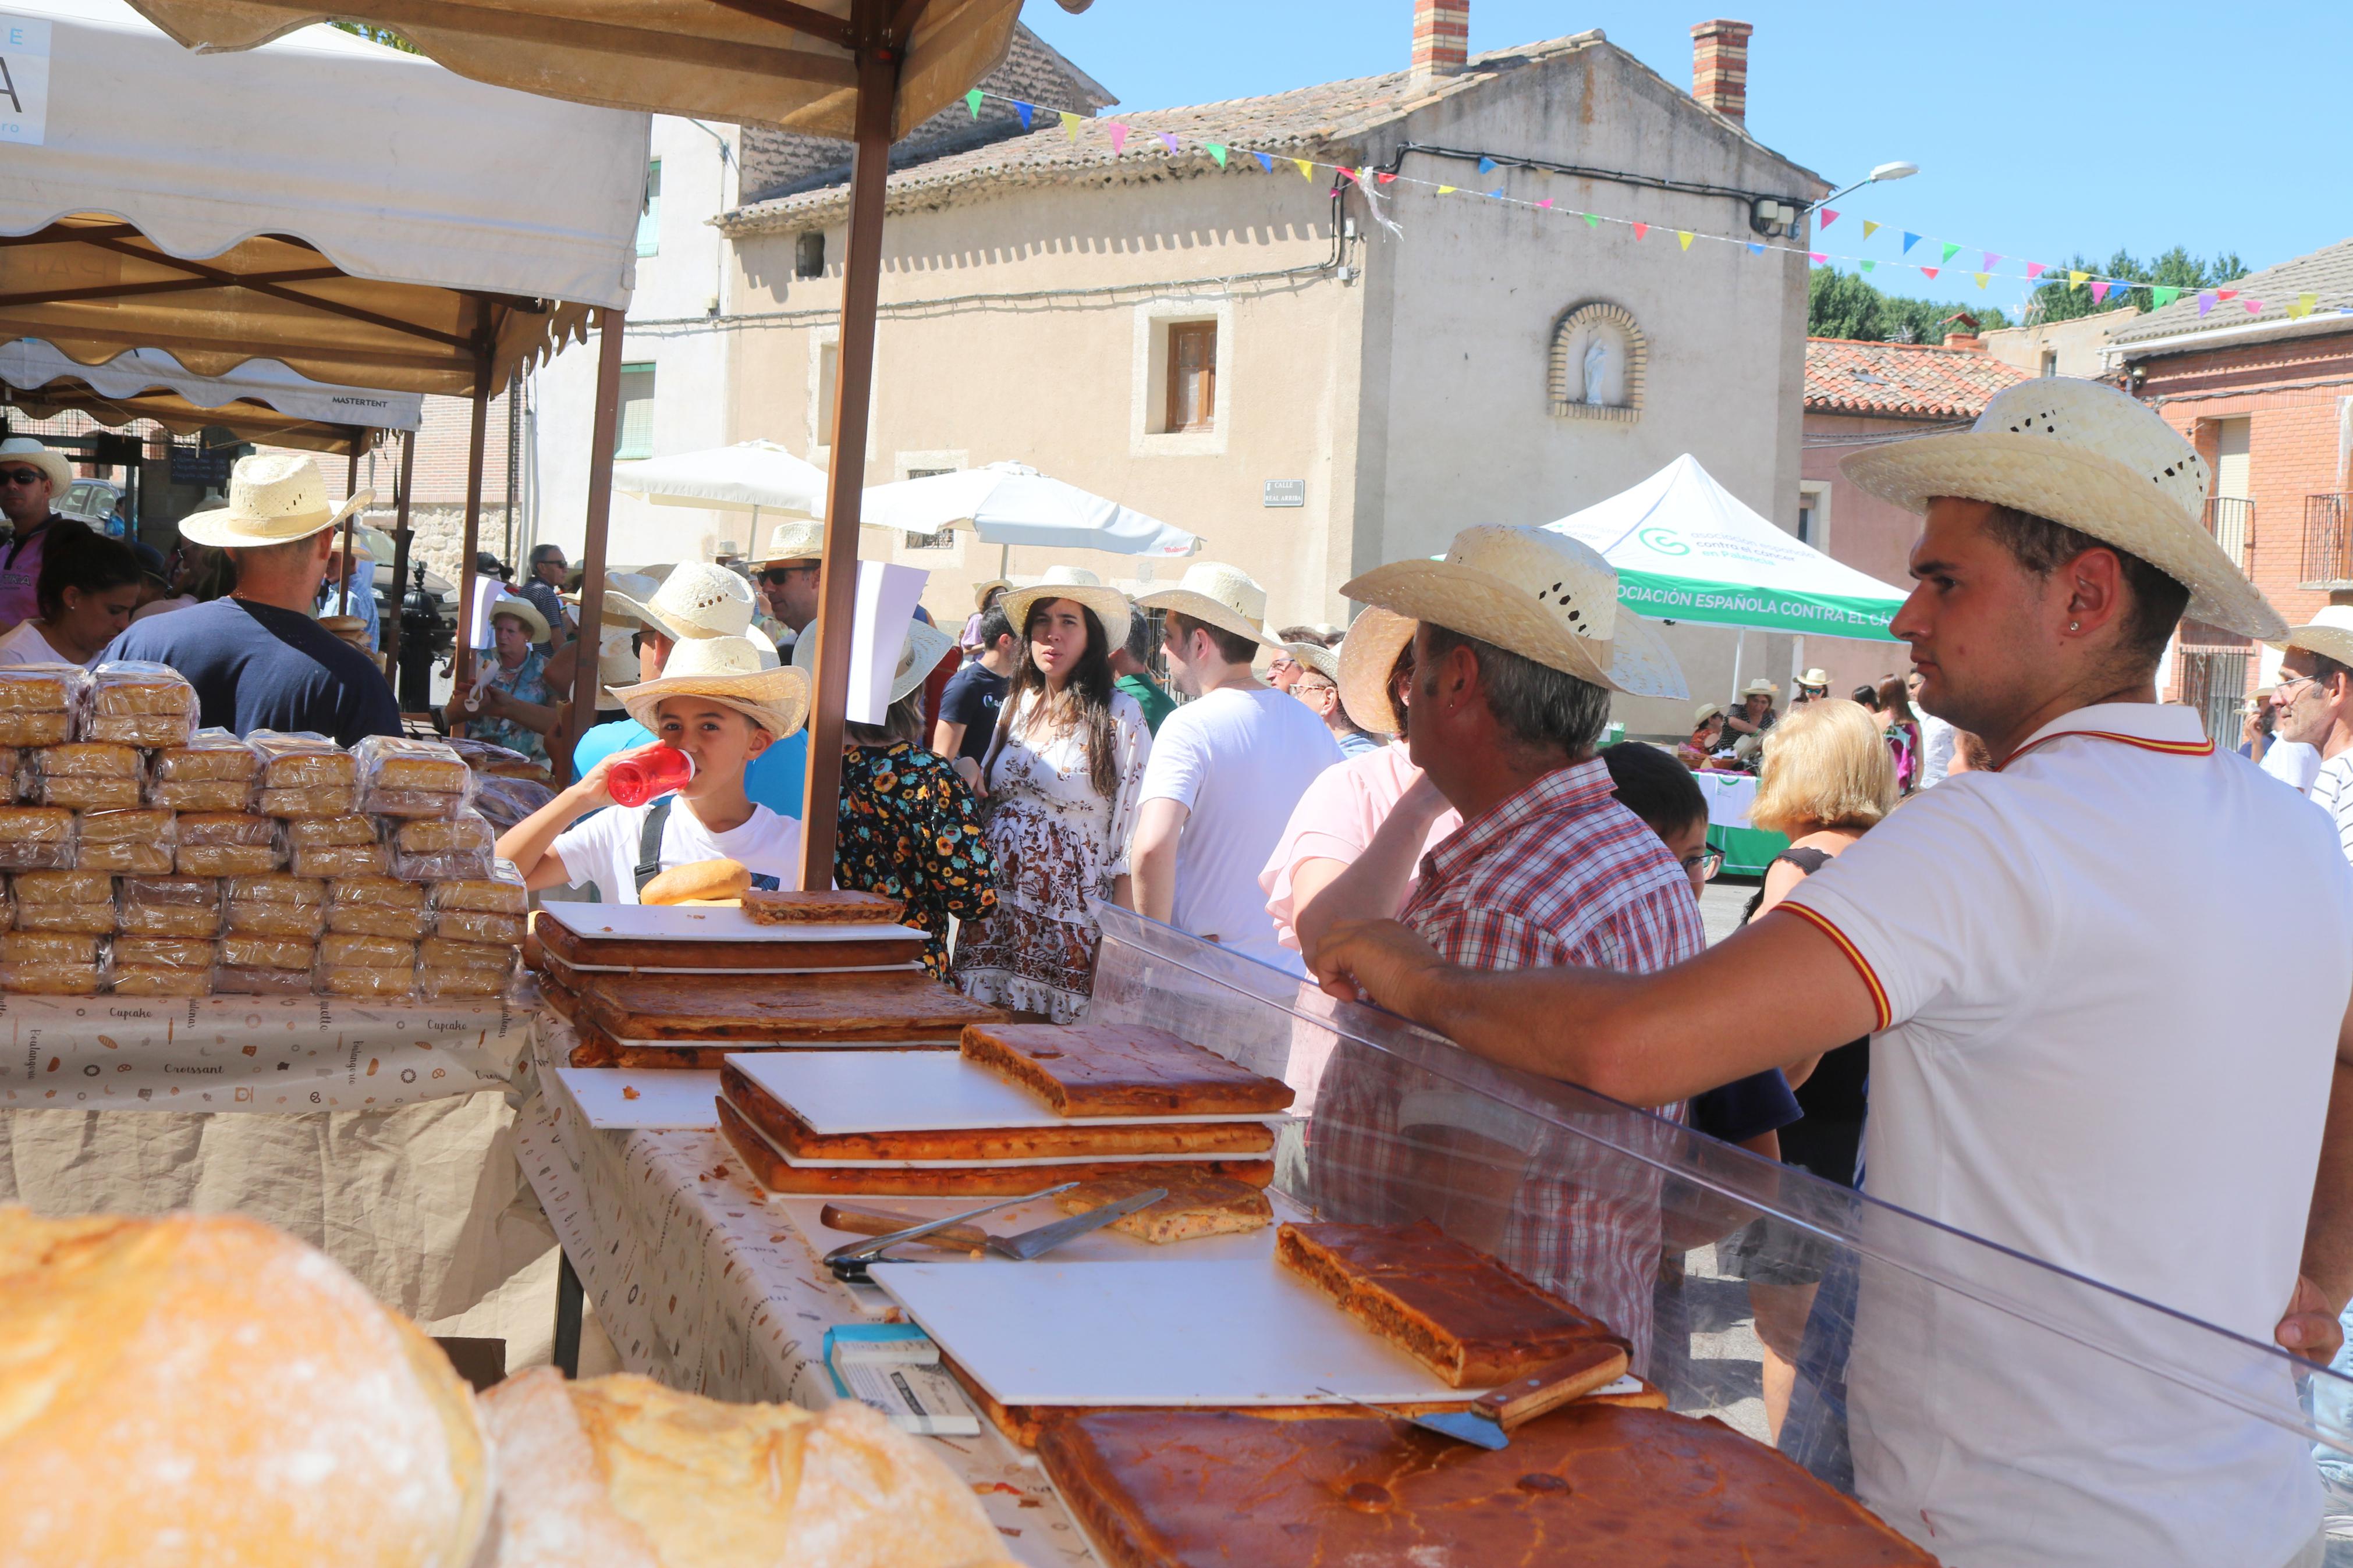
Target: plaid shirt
(1558, 875)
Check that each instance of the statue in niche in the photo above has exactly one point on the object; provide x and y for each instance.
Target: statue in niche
(1597, 370)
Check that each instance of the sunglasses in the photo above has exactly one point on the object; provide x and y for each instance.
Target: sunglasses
(22, 477)
(777, 576)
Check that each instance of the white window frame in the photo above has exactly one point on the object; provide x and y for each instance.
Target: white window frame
(820, 407)
(1817, 492)
(1149, 394)
(907, 465)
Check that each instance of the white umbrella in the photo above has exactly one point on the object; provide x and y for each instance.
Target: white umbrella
(1010, 503)
(754, 476)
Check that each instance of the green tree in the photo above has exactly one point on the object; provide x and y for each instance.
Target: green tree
(1847, 305)
(384, 36)
(2057, 300)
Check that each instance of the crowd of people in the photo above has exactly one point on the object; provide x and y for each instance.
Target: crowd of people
(1955, 987)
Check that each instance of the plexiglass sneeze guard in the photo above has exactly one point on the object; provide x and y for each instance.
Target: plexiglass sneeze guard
(1994, 1408)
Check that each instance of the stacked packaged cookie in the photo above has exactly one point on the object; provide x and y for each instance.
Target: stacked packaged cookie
(149, 858)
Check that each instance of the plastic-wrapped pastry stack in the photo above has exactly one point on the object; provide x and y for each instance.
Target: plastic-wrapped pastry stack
(373, 924)
(305, 775)
(213, 771)
(477, 923)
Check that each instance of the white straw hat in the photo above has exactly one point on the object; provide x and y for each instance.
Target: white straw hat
(2087, 456)
(1079, 586)
(1705, 711)
(795, 542)
(1368, 656)
(1322, 660)
(24, 450)
(523, 610)
(1760, 687)
(1534, 592)
(1818, 679)
(622, 590)
(981, 591)
(741, 673)
(919, 653)
(696, 600)
(274, 498)
(1219, 596)
(2330, 633)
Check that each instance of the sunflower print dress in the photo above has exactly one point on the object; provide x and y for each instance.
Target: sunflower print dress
(909, 829)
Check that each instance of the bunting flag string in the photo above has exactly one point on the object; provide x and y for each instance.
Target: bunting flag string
(1119, 134)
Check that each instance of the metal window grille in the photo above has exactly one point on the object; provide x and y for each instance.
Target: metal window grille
(636, 433)
(2328, 539)
(2232, 520)
(2214, 682)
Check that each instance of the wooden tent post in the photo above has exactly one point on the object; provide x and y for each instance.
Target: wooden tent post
(351, 521)
(400, 537)
(604, 431)
(853, 382)
(462, 659)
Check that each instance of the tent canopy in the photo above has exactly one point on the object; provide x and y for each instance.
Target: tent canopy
(771, 62)
(1010, 503)
(1686, 549)
(353, 212)
(261, 400)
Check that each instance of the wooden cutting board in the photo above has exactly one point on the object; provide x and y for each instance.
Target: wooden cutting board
(692, 937)
(777, 1009)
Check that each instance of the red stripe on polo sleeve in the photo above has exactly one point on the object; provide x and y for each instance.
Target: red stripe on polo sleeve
(1829, 928)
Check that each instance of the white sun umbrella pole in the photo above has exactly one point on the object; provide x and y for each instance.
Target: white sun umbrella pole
(1010, 503)
(754, 476)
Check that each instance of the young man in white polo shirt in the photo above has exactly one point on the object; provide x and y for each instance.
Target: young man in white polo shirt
(2053, 1068)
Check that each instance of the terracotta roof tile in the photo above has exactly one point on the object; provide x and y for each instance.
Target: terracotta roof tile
(1902, 381)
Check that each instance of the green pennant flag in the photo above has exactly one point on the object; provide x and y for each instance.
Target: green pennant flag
(1866, 266)
(1590, 221)
(2160, 297)
(1216, 150)
(971, 102)
(1950, 249)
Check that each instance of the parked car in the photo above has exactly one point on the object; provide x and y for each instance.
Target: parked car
(93, 501)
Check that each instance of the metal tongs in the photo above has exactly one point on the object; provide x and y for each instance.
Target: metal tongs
(849, 1262)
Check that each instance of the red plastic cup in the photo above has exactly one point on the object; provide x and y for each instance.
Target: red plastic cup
(640, 775)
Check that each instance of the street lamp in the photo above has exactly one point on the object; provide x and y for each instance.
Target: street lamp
(1899, 170)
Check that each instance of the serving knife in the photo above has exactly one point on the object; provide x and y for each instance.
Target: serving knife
(1490, 1420)
(848, 1260)
(1042, 1239)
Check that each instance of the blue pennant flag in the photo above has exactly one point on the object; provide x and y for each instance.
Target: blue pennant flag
(1909, 241)
(1265, 161)
(1755, 248)
(1025, 112)
(1496, 192)
(1486, 164)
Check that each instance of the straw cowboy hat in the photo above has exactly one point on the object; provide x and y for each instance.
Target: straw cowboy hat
(24, 450)
(1819, 680)
(1760, 687)
(1218, 595)
(523, 610)
(696, 600)
(1534, 592)
(274, 498)
(925, 646)
(2084, 454)
(735, 671)
(621, 589)
(2330, 633)
(1367, 653)
(981, 591)
(794, 541)
(1705, 711)
(1322, 660)
(1079, 586)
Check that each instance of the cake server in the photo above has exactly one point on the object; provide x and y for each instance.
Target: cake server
(1038, 1241)
(1492, 1416)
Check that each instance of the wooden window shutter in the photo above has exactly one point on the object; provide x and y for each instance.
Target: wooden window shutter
(1192, 375)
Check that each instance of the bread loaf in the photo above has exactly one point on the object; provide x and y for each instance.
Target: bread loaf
(227, 844)
(211, 756)
(277, 906)
(80, 792)
(464, 834)
(242, 951)
(375, 906)
(47, 947)
(136, 979)
(383, 983)
(621, 1472)
(171, 905)
(130, 688)
(224, 795)
(93, 920)
(118, 841)
(64, 888)
(698, 880)
(319, 832)
(277, 889)
(202, 1389)
(88, 760)
(36, 837)
(228, 981)
(225, 859)
(302, 761)
(141, 730)
(34, 729)
(341, 861)
(400, 762)
(439, 952)
(494, 895)
(50, 980)
(308, 799)
(41, 688)
(435, 984)
(164, 951)
(477, 926)
(345, 949)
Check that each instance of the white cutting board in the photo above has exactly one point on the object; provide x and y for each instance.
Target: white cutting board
(911, 1047)
(665, 1100)
(1216, 1332)
(704, 922)
(839, 1090)
(1051, 1161)
(1102, 1245)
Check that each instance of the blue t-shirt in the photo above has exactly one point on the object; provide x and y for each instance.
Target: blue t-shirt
(975, 693)
(1742, 1110)
(257, 667)
(775, 779)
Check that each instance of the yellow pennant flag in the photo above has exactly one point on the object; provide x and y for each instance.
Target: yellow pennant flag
(1447, 190)
(1684, 237)
(1869, 228)
(2075, 279)
(1981, 278)
(1070, 124)
(1306, 169)
(2304, 306)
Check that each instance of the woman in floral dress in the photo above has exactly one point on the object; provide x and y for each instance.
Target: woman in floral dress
(1060, 780)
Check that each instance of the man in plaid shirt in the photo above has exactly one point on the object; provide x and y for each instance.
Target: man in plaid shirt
(1515, 662)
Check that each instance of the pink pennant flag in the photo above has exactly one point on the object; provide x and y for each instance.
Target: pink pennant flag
(2253, 306)
(1992, 258)
(1829, 217)
(1118, 138)
(1640, 229)
(1169, 141)
(1816, 256)
(2034, 269)
(1348, 174)
(1546, 204)
(2226, 293)
(1928, 271)
(2099, 289)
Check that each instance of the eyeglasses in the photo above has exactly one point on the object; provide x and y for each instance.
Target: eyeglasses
(1315, 685)
(1280, 662)
(777, 576)
(22, 477)
(1709, 861)
(2280, 691)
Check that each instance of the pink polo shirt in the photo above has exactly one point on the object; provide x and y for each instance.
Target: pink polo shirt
(1336, 820)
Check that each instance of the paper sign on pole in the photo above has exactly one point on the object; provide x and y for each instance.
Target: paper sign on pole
(887, 596)
(23, 79)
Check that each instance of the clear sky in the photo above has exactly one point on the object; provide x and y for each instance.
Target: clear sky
(2040, 129)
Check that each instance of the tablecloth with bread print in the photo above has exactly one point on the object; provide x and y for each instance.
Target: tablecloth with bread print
(702, 1283)
(280, 1054)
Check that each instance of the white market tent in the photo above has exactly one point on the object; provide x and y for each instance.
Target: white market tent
(1686, 549)
(1010, 503)
(357, 213)
(260, 400)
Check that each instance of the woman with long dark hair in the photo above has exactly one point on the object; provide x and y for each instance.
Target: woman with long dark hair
(1061, 779)
(1901, 727)
(87, 586)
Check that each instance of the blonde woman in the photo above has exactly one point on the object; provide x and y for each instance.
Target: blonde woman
(1827, 778)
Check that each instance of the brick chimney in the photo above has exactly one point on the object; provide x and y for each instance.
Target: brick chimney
(1442, 38)
(1720, 68)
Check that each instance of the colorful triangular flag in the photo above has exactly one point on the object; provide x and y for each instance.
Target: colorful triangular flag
(1070, 125)
(1684, 236)
(1642, 230)
(1168, 140)
(1486, 164)
(1216, 150)
(1118, 138)
(1866, 266)
(1027, 113)
(2303, 305)
(2226, 293)
(1929, 272)
(1816, 256)
(2034, 269)
(1546, 204)
(2205, 301)
(2252, 307)
(2075, 280)
(1265, 161)
(1590, 221)
(1306, 169)
(1869, 228)
(1981, 278)
(1993, 260)
(1910, 239)
(1386, 179)
(971, 102)
(1950, 249)
(1497, 192)
(1829, 217)
(2159, 299)
(1448, 190)
(1755, 248)
(2099, 289)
